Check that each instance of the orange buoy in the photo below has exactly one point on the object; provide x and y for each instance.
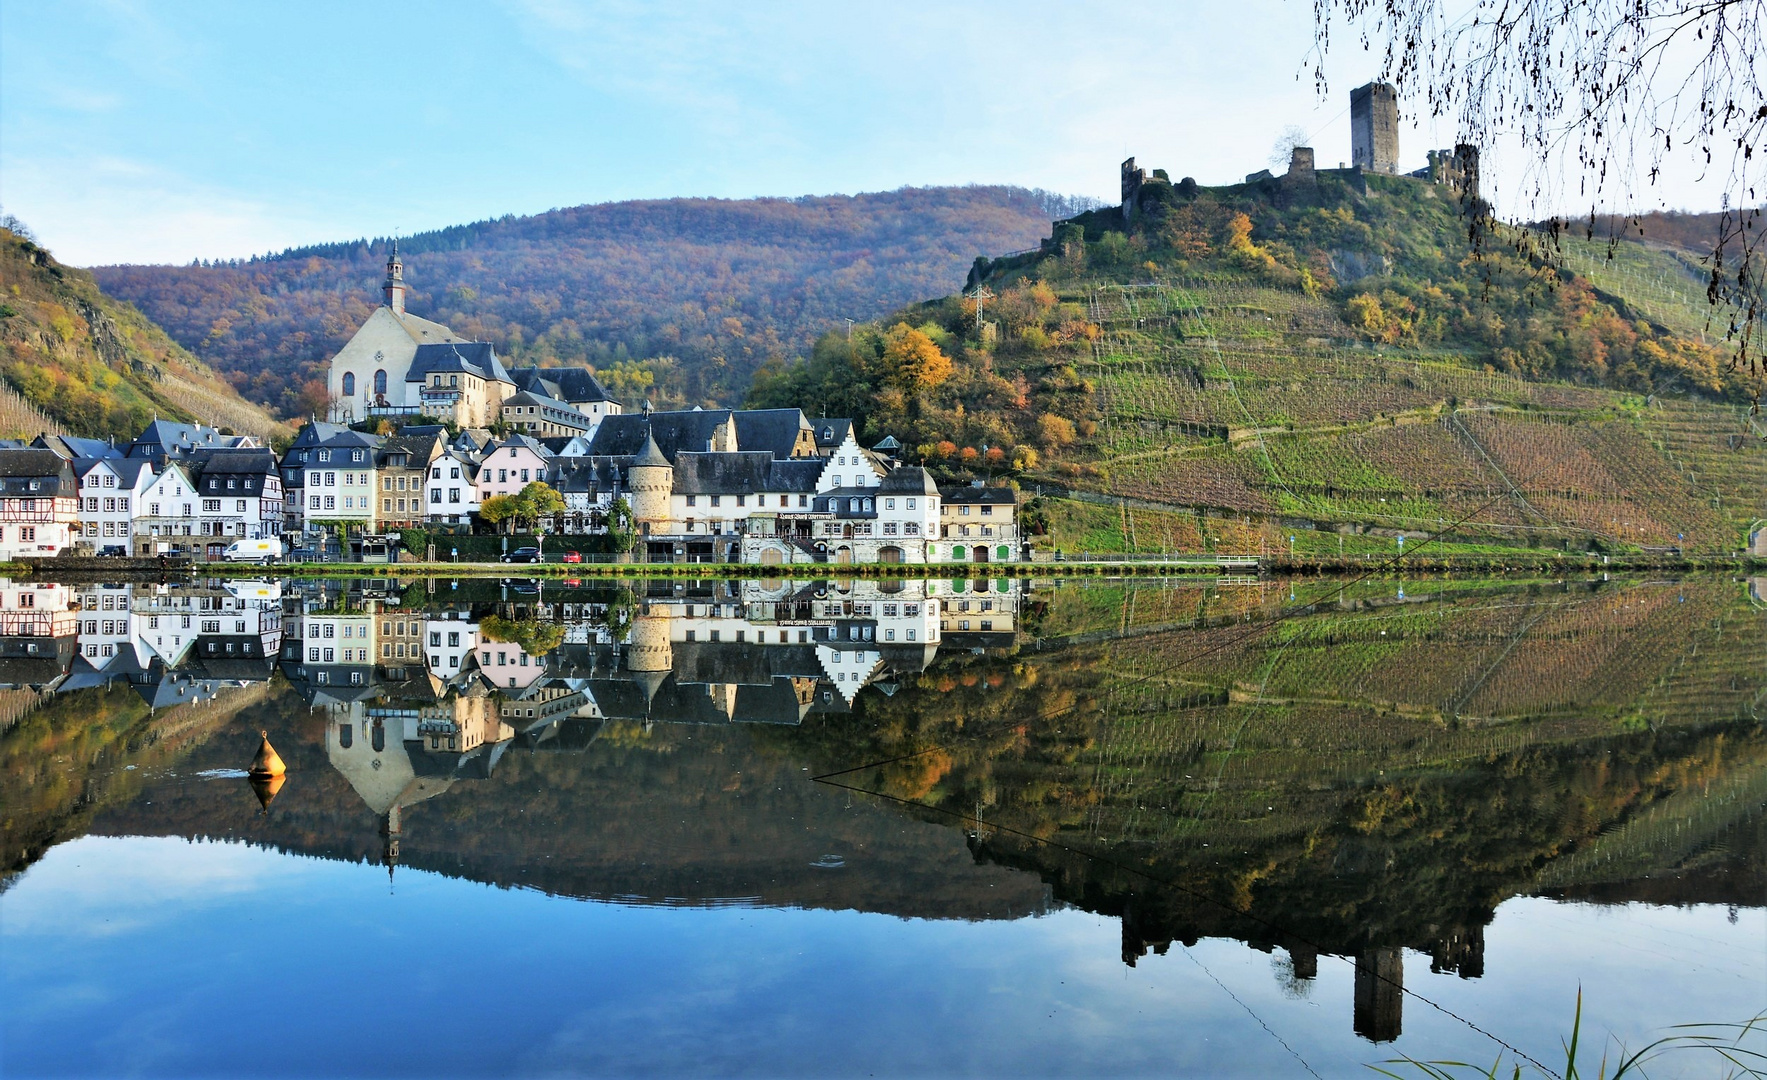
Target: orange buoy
(266, 787)
(268, 762)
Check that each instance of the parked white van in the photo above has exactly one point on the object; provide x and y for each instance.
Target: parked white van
(254, 550)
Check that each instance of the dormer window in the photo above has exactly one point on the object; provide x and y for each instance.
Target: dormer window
(358, 455)
(827, 434)
(325, 455)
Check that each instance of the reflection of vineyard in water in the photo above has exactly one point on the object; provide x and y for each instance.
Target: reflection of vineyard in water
(1179, 715)
(1250, 399)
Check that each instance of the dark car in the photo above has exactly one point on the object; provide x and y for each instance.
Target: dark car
(523, 554)
(113, 551)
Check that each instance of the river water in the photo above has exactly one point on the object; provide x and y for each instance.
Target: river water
(816, 828)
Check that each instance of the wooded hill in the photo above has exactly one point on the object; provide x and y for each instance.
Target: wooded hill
(693, 293)
(1263, 361)
(77, 361)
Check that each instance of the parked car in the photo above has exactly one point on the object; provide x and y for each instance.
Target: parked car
(523, 554)
(571, 556)
(259, 551)
(113, 551)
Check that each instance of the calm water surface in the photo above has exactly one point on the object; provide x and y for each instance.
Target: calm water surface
(836, 828)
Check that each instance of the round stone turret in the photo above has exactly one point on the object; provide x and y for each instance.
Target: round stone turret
(649, 649)
(653, 481)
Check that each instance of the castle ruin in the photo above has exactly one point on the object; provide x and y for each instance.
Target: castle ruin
(1374, 128)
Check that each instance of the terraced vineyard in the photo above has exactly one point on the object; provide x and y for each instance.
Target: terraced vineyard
(1254, 401)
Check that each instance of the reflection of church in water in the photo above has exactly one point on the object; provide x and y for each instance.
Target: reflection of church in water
(416, 700)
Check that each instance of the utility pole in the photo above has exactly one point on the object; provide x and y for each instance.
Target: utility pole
(980, 295)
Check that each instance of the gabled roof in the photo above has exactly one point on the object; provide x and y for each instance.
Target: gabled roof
(317, 431)
(773, 430)
(526, 441)
(907, 480)
(419, 448)
(691, 430)
(163, 438)
(830, 432)
(127, 470)
(468, 357)
(69, 446)
(575, 385)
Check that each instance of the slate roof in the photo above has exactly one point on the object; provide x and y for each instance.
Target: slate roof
(527, 441)
(972, 495)
(796, 475)
(128, 470)
(651, 455)
(252, 462)
(317, 431)
(168, 438)
(417, 448)
(691, 430)
(52, 472)
(69, 446)
(830, 432)
(469, 357)
(723, 474)
(907, 480)
(575, 385)
(773, 430)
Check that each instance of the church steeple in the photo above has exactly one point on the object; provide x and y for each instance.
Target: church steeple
(394, 287)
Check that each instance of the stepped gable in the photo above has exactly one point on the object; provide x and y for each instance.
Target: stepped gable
(693, 430)
(907, 480)
(579, 386)
(782, 432)
(462, 357)
(745, 472)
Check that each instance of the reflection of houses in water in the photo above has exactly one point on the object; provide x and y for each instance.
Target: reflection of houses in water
(402, 729)
(61, 638)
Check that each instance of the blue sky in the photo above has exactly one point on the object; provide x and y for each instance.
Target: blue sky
(160, 132)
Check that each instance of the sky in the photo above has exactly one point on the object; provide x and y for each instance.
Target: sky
(163, 132)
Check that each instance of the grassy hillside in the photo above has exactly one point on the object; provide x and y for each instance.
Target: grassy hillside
(1314, 363)
(74, 360)
(701, 290)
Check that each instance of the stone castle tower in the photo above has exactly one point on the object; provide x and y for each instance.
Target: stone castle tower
(653, 481)
(394, 286)
(1374, 128)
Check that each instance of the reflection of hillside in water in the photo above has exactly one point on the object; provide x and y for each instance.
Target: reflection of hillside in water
(1367, 776)
(1370, 776)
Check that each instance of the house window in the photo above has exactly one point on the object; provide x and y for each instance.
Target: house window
(716, 499)
(889, 504)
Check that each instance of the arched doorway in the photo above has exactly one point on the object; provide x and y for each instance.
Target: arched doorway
(847, 530)
(770, 557)
(981, 553)
(889, 554)
(844, 556)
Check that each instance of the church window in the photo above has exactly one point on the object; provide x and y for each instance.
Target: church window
(380, 382)
(349, 383)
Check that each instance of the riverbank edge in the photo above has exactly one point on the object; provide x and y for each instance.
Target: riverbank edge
(1175, 567)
